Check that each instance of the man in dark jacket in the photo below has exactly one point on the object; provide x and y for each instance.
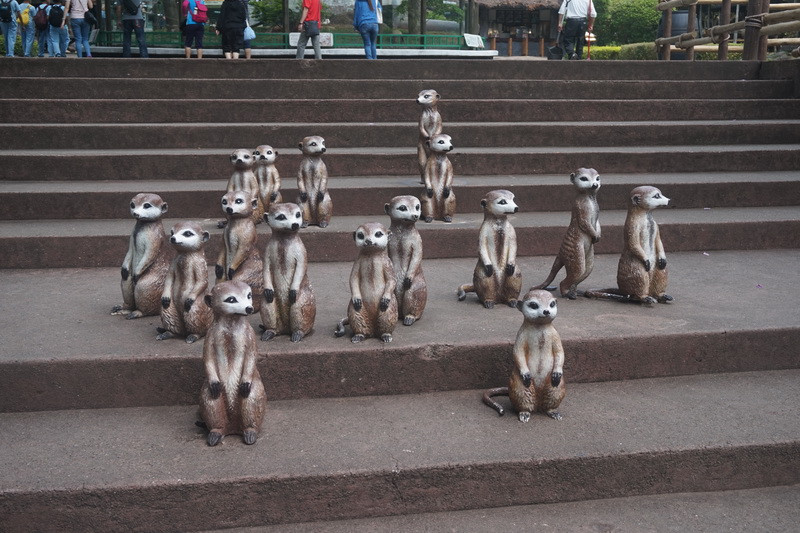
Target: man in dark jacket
(230, 24)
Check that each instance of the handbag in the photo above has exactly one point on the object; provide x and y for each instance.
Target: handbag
(90, 19)
(311, 28)
(249, 33)
(379, 11)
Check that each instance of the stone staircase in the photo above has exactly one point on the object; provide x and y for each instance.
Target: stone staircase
(694, 405)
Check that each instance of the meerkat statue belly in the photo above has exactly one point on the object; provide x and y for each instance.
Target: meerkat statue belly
(372, 311)
(239, 258)
(430, 124)
(642, 269)
(244, 179)
(232, 399)
(312, 183)
(267, 176)
(438, 201)
(146, 263)
(496, 277)
(577, 249)
(405, 252)
(183, 308)
(288, 306)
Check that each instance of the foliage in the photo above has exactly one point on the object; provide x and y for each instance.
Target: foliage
(18, 46)
(628, 21)
(605, 52)
(638, 51)
(709, 56)
(437, 10)
(270, 13)
(602, 24)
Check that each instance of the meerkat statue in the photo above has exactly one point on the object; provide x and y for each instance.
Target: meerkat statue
(288, 305)
(438, 200)
(232, 399)
(537, 381)
(183, 308)
(642, 269)
(239, 258)
(267, 176)
(430, 124)
(372, 311)
(244, 179)
(496, 277)
(405, 252)
(312, 182)
(146, 264)
(577, 248)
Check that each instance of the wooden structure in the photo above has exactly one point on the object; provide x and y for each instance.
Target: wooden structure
(518, 22)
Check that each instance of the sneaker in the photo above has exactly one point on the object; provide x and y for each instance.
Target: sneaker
(574, 56)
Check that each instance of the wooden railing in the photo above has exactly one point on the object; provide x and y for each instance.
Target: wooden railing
(758, 25)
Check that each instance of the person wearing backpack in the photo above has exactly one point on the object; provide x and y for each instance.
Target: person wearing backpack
(27, 26)
(131, 20)
(42, 26)
(9, 12)
(196, 14)
(80, 28)
(58, 34)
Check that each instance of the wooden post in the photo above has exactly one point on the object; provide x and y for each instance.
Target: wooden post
(493, 42)
(525, 44)
(724, 18)
(541, 46)
(751, 29)
(762, 41)
(510, 46)
(690, 27)
(666, 50)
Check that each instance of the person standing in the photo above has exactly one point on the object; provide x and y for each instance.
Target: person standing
(42, 29)
(58, 36)
(132, 22)
(27, 29)
(9, 12)
(365, 21)
(80, 28)
(230, 25)
(575, 18)
(193, 32)
(309, 27)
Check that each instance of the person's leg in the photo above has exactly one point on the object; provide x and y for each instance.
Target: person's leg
(238, 42)
(52, 42)
(41, 38)
(188, 37)
(87, 30)
(77, 31)
(198, 40)
(581, 38)
(365, 36)
(374, 41)
(317, 48)
(63, 39)
(9, 36)
(127, 29)
(301, 45)
(27, 39)
(248, 50)
(139, 29)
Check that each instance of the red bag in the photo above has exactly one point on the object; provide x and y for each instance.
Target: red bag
(200, 13)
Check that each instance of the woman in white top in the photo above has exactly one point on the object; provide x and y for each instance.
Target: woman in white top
(80, 28)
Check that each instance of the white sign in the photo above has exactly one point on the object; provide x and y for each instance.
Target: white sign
(325, 39)
(473, 41)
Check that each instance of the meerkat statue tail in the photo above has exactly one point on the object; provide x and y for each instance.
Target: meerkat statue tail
(340, 331)
(608, 294)
(463, 290)
(558, 264)
(487, 399)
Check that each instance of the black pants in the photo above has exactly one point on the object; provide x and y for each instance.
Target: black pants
(574, 31)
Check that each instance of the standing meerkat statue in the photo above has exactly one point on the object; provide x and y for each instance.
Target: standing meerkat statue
(267, 176)
(244, 179)
(430, 124)
(372, 311)
(239, 258)
(438, 200)
(288, 305)
(496, 277)
(642, 269)
(405, 252)
(312, 182)
(536, 383)
(577, 248)
(232, 400)
(146, 264)
(183, 308)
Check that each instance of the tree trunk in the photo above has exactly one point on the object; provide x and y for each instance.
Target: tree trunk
(172, 13)
(414, 17)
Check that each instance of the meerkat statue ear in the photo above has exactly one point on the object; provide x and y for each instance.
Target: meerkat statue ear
(483, 203)
(266, 218)
(354, 235)
(300, 145)
(520, 303)
(428, 143)
(164, 208)
(636, 198)
(254, 202)
(208, 300)
(572, 177)
(386, 208)
(206, 236)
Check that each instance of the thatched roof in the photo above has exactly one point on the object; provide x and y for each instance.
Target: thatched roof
(526, 4)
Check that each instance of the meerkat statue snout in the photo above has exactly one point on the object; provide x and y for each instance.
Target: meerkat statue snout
(537, 382)
(267, 176)
(146, 263)
(496, 277)
(438, 200)
(642, 269)
(183, 308)
(232, 399)
(244, 179)
(405, 252)
(372, 311)
(239, 258)
(430, 124)
(288, 305)
(312, 183)
(577, 248)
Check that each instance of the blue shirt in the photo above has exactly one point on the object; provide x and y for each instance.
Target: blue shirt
(15, 10)
(362, 14)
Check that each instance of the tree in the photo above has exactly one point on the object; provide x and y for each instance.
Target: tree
(632, 21)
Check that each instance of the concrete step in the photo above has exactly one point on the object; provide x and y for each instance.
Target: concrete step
(366, 196)
(734, 511)
(204, 164)
(732, 313)
(103, 243)
(399, 69)
(217, 88)
(544, 108)
(393, 134)
(397, 455)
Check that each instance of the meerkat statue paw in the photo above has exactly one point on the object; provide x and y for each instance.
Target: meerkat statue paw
(268, 334)
(187, 304)
(386, 337)
(323, 224)
(192, 338)
(512, 304)
(221, 224)
(297, 336)
(406, 283)
(428, 219)
(647, 265)
(488, 304)
(165, 301)
(357, 304)
(356, 338)
(215, 389)
(571, 295)
(164, 335)
(510, 269)
(119, 310)
(554, 415)
(125, 273)
(524, 416)
(384, 304)
(269, 295)
(447, 218)
(648, 300)
(555, 378)
(245, 388)
(214, 438)
(662, 263)
(219, 271)
(134, 315)
(249, 436)
(527, 379)
(462, 295)
(409, 320)
(665, 298)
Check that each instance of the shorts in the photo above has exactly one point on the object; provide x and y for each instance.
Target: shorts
(232, 39)
(194, 32)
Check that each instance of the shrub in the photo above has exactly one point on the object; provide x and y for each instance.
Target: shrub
(629, 21)
(638, 51)
(605, 52)
(18, 46)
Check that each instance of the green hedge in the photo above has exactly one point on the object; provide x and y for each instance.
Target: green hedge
(638, 51)
(605, 52)
(18, 46)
